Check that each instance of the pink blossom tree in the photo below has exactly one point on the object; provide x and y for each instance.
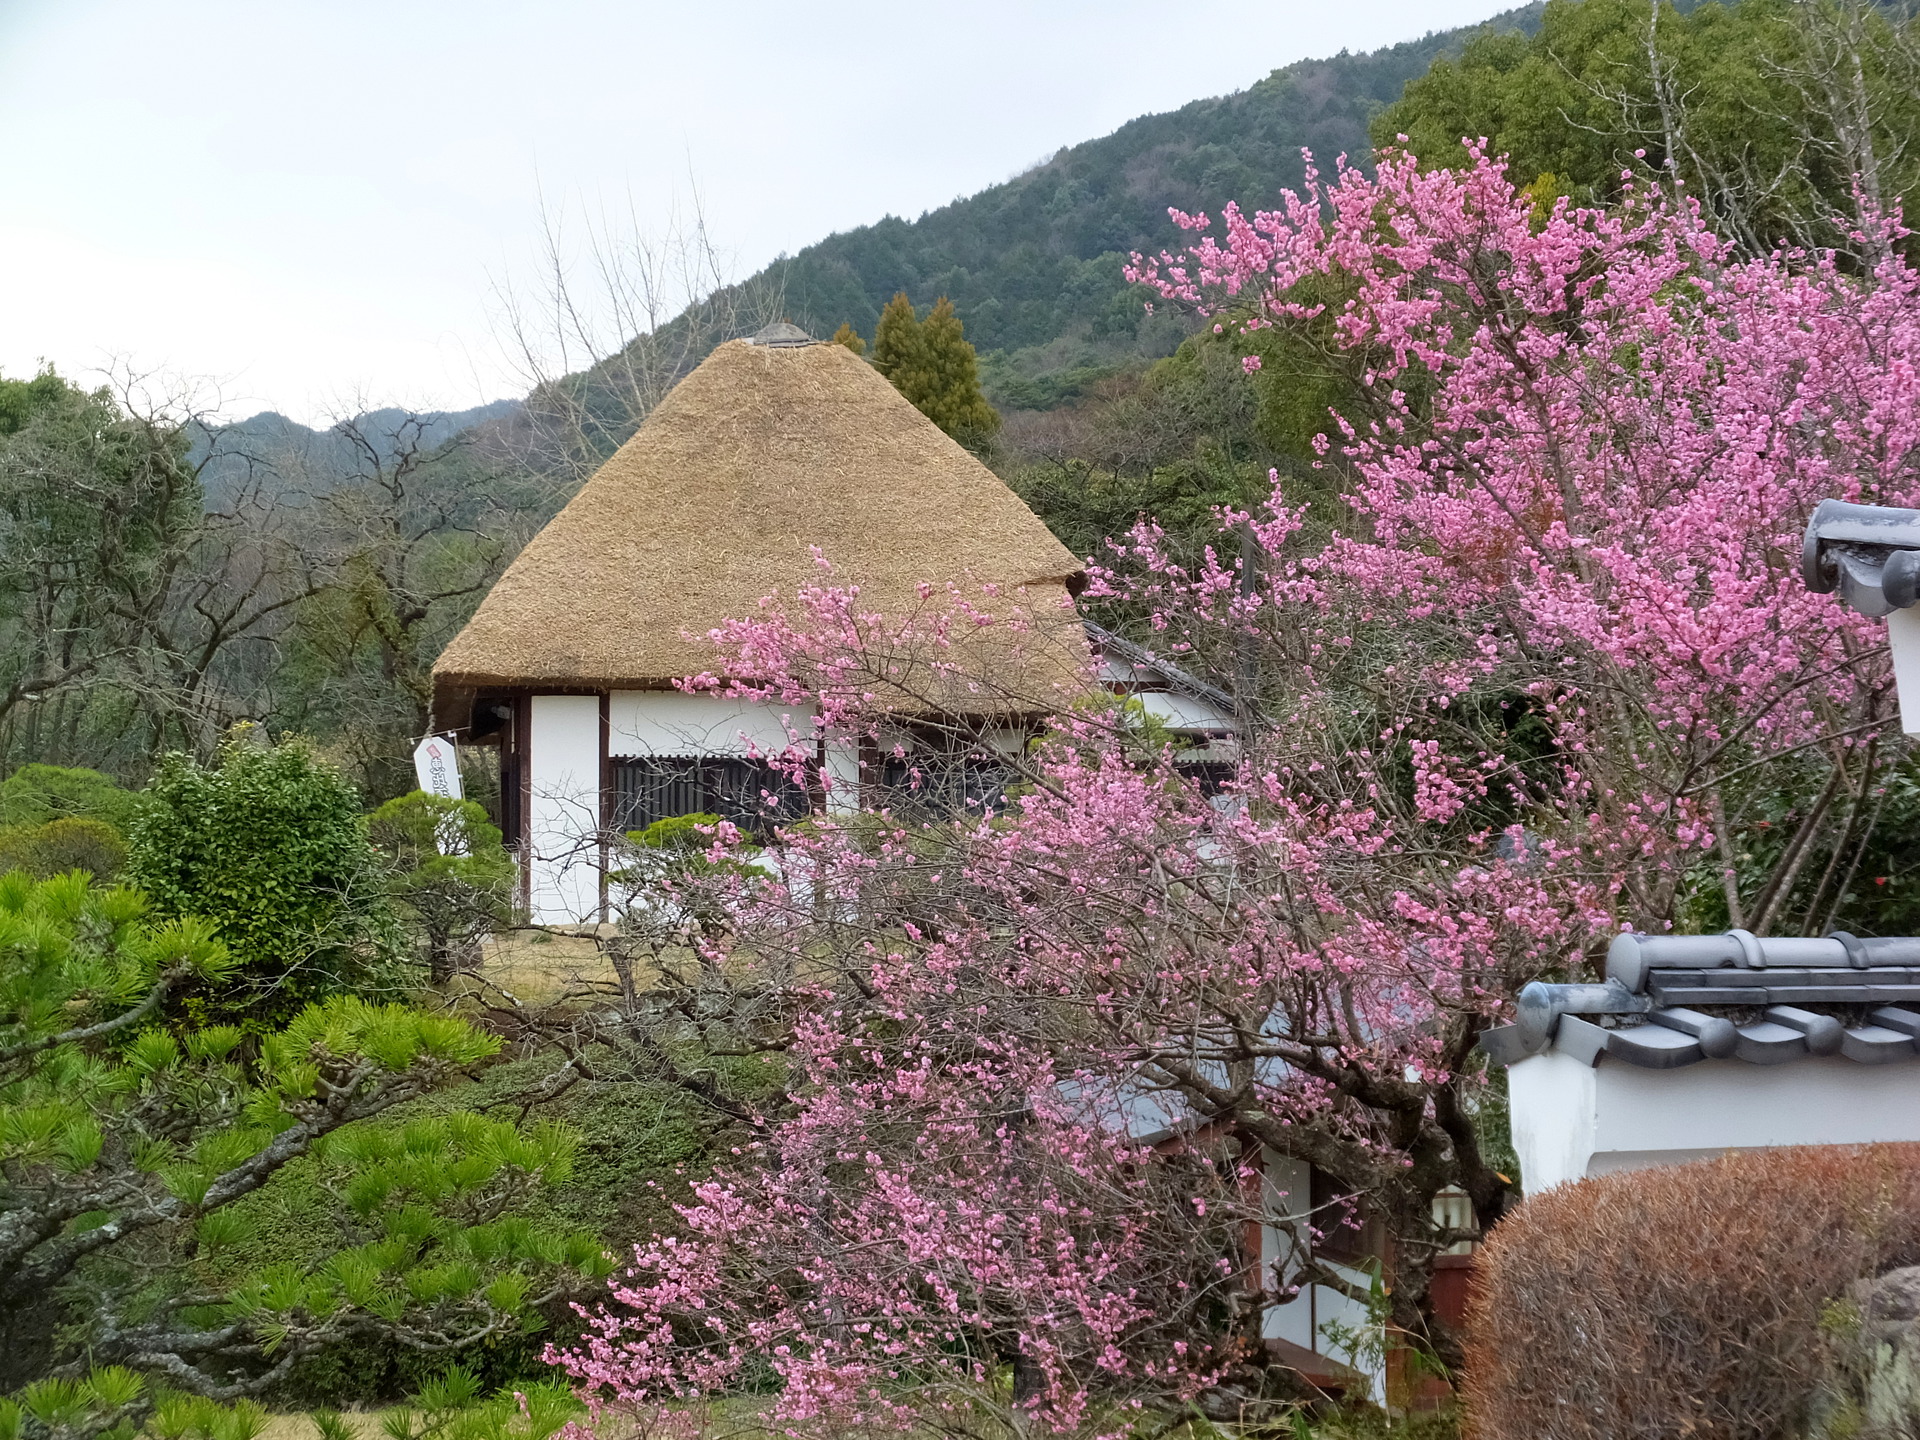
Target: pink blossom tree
(1520, 696)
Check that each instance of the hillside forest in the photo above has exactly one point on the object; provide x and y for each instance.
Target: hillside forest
(269, 1140)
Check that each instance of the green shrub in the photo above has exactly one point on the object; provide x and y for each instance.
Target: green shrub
(114, 1403)
(58, 846)
(1685, 1301)
(450, 1407)
(37, 794)
(448, 872)
(268, 844)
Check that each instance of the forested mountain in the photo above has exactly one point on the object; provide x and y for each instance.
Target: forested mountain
(233, 451)
(306, 579)
(1034, 265)
(272, 428)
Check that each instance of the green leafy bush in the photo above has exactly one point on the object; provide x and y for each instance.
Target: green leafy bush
(268, 844)
(54, 819)
(58, 846)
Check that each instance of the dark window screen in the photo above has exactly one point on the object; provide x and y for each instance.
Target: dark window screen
(1210, 775)
(749, 793)
(1348, 1229)
(942, 787)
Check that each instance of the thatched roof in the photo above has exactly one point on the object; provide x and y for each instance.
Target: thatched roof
(763, 452)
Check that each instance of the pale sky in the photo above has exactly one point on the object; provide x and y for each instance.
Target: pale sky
(308, 202)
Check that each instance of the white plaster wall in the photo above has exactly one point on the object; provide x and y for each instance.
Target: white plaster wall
(667, 722)
(563, 813)
(1285, 1188)
(1332, 1305)
(1007, 740)
(1903, 638)
(1551, 1104)
(1617, 1116)
(1182, 712)
(1287, 1191)
(840, 777)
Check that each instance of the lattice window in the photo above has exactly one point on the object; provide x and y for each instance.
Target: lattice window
(751, 794)
(940, 786)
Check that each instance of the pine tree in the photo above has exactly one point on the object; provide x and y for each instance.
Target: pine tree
(896, 342)
(160, 1136)
(954, 400)
(846, 335)
(931, 363)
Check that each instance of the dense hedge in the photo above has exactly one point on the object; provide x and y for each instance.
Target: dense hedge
(1703, 1300)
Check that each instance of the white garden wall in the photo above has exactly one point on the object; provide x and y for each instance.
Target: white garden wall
(564, 767)
(1572, 1118)
(1287, 1191)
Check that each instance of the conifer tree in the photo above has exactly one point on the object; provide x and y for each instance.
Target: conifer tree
(931, 363)
(956, 403)
(896, 342)
(846, 335)
(159, 1137)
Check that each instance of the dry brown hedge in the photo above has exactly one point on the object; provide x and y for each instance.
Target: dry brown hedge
(1684, 1301)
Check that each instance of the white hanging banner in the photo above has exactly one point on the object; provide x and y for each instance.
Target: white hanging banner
(437, 764)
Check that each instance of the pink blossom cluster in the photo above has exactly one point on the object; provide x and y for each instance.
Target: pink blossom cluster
(931, 1224)
(1587, 445)
(1036, 1057)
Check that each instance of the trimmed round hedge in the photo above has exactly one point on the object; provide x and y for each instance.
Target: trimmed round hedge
(1702, 1301)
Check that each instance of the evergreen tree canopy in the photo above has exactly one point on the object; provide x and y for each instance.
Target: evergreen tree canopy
(896, 338)
(58, 846)
(38, 794)
(930, 362)
(135, 1159)
(22, 400)
(450, 873)
(1765, 111)
(847, 336)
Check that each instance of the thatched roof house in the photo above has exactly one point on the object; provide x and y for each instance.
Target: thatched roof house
(773, 449)
(762, 453)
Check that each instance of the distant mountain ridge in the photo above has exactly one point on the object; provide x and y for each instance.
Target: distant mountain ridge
(322, 457)
(1034, 264)
(438, 426)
